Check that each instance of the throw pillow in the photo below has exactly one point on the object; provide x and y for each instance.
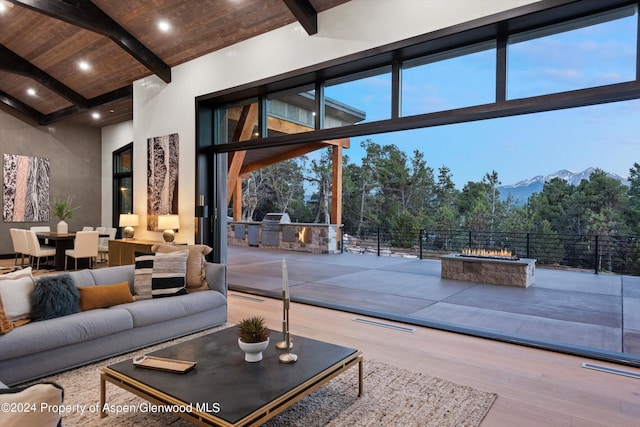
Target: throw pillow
(42, 398)
(142, 276)
(54, 296)
(102, 296)
(169, 272)
(196, 263)
(5, 324)
(15, 294)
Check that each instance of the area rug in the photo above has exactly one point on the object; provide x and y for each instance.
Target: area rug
(392, 397)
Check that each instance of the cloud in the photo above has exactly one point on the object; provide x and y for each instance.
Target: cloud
(566, 74)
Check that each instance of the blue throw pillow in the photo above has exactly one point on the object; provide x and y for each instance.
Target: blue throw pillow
(54, 296)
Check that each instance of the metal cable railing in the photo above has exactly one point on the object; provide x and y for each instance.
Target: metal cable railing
(614, 254)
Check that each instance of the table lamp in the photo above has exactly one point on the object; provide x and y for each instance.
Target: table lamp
(168, 223)
(128, 221)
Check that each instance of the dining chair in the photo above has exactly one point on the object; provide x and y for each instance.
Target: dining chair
(85, 246)
(36, 249)
(39, 228)
(103, 245)
(20, 246)
(87, 228)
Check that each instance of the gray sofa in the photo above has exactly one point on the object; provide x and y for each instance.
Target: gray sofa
(42, 348)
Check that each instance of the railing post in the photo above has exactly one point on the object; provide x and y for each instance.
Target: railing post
(528, 244)
(378, 241)
(342, 239)
(420, 236)
(597, 255)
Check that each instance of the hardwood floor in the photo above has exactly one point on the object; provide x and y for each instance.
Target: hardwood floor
(535, 387)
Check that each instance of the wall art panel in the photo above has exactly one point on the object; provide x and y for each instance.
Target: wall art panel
(162, 178)
(26, 189)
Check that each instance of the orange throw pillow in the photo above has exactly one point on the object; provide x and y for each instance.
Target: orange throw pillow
(102, 296)
(5, 325)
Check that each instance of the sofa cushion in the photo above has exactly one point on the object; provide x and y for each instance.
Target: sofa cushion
(41, 400)
(196, 263)
(148, 312)
(82, 277)
(105, 276)
(61, 331)
(15, 294)
(101, 296)
(54, 296)
(169, 274)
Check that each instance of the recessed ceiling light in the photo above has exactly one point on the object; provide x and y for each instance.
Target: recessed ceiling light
(84, 65)
(164, 26)
(31, 91)
(95, 115)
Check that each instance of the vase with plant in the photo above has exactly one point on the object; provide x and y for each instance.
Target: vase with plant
(253, 338)
(63, 209)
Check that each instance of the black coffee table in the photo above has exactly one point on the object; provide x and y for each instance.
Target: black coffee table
(223, 389)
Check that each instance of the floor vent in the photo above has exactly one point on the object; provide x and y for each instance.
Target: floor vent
(246, 297)
(609, 370)
(384, 325)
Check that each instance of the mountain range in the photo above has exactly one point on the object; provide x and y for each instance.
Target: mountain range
(520, 191)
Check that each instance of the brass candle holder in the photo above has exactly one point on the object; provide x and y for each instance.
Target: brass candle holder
(287, 357)
(282, 345)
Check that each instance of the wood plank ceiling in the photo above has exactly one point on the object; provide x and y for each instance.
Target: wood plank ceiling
(42, 43)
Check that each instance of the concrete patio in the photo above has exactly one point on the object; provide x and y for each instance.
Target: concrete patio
(575, 312)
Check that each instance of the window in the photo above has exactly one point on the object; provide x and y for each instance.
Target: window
(122, 182)
(291, 111)
(239, 122)
(427, 82)
(590, 52)
(372, 103)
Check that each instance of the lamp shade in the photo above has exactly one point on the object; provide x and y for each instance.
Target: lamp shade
(129, 220)
(168, 222)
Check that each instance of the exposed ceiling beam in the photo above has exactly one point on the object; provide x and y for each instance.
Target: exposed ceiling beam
(21, 107)
(14, 63)
(102, 100)
(85, 14)
(305, 14)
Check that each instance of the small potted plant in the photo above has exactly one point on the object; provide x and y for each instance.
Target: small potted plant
(253, 338)
(63, 209)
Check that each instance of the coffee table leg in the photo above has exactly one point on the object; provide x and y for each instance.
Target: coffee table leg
(360, 377)
(103, 395)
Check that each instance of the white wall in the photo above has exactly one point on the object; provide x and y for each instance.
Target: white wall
(161, 109)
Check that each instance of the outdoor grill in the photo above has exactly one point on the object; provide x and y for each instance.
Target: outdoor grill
(271, 227)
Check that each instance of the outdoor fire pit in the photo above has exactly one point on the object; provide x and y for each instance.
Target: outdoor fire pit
(491, 267)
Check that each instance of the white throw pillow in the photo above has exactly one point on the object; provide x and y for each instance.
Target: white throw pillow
(15, 294)
(36, 405)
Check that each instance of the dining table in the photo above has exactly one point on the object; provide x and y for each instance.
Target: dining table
(62, 242)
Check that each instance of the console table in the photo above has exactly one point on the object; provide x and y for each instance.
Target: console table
(123, 251)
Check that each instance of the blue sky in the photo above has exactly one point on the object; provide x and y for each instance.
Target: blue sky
(605, 136)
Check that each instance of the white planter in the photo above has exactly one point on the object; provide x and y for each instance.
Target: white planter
(62, 227)
(253, 350)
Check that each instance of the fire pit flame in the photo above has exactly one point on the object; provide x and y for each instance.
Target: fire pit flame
(486, 253)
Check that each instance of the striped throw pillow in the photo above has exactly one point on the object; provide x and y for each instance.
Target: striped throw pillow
(169, 274)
